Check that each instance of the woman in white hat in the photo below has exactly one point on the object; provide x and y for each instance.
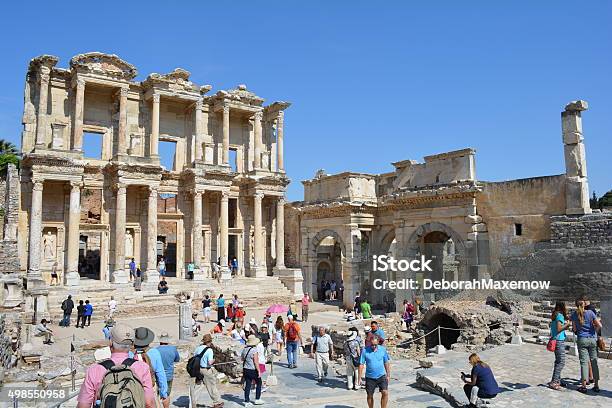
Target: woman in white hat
(251, 370)
(352, 353)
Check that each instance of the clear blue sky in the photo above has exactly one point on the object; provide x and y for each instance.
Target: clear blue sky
(370, 84)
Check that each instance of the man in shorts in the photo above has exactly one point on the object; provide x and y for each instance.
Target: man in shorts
(377, 372)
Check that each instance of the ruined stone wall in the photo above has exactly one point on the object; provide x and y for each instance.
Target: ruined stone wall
(529, 202)
(349, 186)
(10, 279)
(583, 231)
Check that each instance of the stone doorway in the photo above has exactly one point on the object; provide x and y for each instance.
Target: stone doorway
(90, 262)
(166, 246)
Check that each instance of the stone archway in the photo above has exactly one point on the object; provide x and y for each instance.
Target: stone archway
(333, 258)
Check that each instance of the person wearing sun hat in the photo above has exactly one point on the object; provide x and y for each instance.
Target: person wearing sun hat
(352, 351)
(251, 370)
(169, 355)
(143, 337)
(121, 342)
(208, 373)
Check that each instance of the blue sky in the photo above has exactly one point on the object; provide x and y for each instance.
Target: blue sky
(370, 83)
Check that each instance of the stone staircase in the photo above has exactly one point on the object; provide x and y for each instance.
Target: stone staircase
(536, 326)
(253, 292)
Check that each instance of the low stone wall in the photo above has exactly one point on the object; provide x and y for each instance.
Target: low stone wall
(582, 231)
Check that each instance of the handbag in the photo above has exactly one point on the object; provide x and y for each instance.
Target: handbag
(552, 344)
(601, 344)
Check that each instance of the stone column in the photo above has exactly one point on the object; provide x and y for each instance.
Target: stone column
(79, 100)
(258, 141)
(279, 141)
(154, 140)
(280, 233)
(198, 274)
(41, 124)
(74, 218)
(120, 275)
(576, 182)
(223, 229)
(35, 230)
(207, 243)
(226, 134)
(122, 131)
(198, 130)
(258, 237)
(152, 274)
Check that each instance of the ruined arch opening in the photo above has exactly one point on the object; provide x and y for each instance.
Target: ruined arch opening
(447, 337)
(328, 260)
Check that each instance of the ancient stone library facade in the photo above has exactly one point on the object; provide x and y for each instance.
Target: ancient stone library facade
(86, 212)
(86, 215)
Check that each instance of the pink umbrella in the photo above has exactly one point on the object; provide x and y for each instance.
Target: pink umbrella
(277, 308)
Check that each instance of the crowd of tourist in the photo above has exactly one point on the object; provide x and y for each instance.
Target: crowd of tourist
(367, 360)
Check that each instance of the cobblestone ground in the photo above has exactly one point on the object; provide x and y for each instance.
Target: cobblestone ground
(522, 372)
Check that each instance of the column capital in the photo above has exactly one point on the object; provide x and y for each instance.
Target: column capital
(80, 82)
(123, 91)
(225, 195)
(156, 98)
(199, 103)
(120, 188)
(44, 74)
(258, 115)
(281, 116)
(37, 184)
(74, 184)
(226, 109)
(153, 190)
(258, 195)
(281, 201)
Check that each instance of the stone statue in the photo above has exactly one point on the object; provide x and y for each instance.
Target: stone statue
(129, 244)
(49, 246)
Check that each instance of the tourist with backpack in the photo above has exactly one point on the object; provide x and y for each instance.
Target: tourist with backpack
(200, 368)
(352, 352)
(251, 370)
(143, 337)
(119, 381)
(293, 340)
(67, 307)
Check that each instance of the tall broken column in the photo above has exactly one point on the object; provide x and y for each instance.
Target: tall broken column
(576, 183)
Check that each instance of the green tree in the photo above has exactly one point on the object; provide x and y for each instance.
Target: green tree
(8, 154)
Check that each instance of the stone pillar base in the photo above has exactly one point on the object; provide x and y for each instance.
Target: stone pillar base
(14, 297)
(258, 272)
(72, 279)
(200, 274)
(121, 276)
(151, 280)
(292, 279)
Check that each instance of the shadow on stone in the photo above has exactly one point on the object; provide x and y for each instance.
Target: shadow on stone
(516, 386)
(182, 401)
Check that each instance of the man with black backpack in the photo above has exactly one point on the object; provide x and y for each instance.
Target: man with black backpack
(67, 307)
(120, 381)
(200, 368)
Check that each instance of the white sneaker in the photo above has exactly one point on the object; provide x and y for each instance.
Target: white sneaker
(258, 402)
(248, 404)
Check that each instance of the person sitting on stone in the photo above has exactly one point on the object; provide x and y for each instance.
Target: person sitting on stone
(480, 383)
(218, 327)
(41, 330)
(162, 287)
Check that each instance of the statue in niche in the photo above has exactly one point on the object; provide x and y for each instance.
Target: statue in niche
(129, 244)
(49, 246)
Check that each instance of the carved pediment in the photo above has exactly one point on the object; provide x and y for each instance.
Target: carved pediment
(241, 94)
(99, 63)
(177, 80)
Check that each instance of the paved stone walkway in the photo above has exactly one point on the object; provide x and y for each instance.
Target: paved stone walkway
(522, 372)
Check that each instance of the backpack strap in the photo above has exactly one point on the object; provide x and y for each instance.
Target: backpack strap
(128, 362)
(108, 364)
(247, 356)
